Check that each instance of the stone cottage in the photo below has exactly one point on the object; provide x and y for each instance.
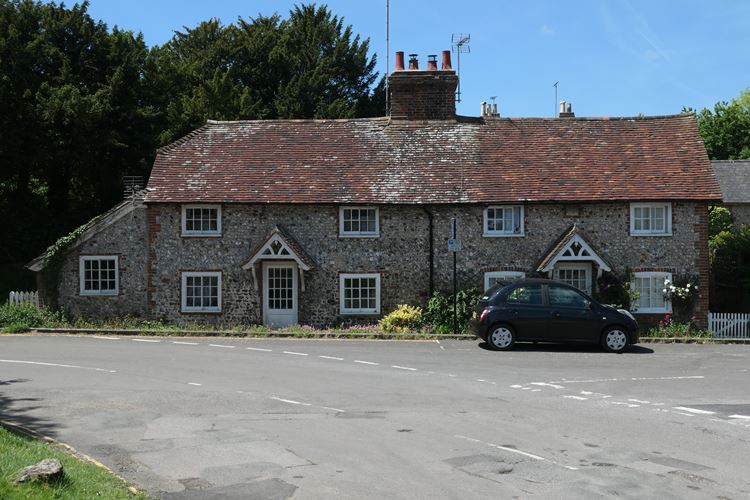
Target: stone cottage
(336, 221)
(734, 179)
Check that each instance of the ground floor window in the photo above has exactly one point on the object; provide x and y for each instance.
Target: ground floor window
(650, 288)
(99, 274)
(201, 292)
(492, 277)
(360, 293)
(575, 274)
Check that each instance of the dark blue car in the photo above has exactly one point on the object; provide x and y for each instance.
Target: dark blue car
(540, 310)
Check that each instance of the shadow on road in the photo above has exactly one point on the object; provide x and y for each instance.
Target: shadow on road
(576, 348)
(17, 410)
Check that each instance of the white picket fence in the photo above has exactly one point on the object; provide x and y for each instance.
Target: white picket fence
(23, 298)
(729, 325)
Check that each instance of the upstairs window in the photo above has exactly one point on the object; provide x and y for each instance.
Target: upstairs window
(201, 220)
(650, 288)
(650, 219)
(359, 222)
(99, 275)
(503, 221)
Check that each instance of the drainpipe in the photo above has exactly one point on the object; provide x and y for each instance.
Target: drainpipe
(431, 251)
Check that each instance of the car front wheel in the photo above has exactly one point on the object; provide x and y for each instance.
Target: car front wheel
(501, 337)
(615, 339)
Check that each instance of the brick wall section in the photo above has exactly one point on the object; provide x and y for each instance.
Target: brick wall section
(423, 95)
(124, 238)
(702, 266)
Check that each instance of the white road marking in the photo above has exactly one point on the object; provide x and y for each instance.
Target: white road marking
(694, 410)
(481, 380)
(332, 357)
(546, 384)
(622, 403)
(291, 402)
(514, 450)
(403, 368)
(639, 401)
(740, 416)
(184, 343)
(683, 413)
(451, 374)
(145, 340)
(194, 383)
(516, 386)
(443, 348)
(333, 409)
(258, 349)
(220, 345)
(365, 362)
(296, 353)
(536, 390)
(579, 398)
(56, 365)
(624, 379)
(104, 338)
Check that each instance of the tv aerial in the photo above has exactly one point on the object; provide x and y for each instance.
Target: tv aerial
(459, 45)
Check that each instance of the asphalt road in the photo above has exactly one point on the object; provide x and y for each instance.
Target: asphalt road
(310, 419)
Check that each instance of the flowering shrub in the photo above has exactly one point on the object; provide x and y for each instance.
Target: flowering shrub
(671, 329)
(682, 297)
(402, 320)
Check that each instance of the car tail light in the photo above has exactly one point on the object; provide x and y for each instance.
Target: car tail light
(484, 313)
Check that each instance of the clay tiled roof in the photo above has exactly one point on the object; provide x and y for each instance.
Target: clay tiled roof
(734, 178)
(468, 160)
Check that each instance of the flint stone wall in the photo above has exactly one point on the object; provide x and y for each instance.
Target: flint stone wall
(125, 238)
(400, 254)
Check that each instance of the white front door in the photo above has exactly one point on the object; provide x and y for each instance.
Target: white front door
(279, 294)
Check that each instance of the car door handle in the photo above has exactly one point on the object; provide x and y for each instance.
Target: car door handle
(555, 314)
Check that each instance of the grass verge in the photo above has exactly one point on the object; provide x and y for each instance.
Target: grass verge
(82, 479)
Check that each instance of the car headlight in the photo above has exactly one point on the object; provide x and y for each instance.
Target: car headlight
(626, 313)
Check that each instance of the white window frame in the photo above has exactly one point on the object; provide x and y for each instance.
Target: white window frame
(585, 266)
(342, 278)
(661, 276)
(359, 234)
(82, 275)
(502, 275)
(194, 274)
(667, 231)
(487, 233)
(187, 233)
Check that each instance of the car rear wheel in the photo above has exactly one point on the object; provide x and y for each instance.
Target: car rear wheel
(615, 339)
(501, 337)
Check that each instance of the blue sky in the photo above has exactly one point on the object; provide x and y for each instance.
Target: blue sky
(611, 57)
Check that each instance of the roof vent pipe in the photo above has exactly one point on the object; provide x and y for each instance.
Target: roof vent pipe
(413, 62)
(446, 60)
(400, 61)
(432, 62)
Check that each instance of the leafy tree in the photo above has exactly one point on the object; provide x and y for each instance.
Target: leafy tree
(719, 220)
(730, 257)
(726, 129)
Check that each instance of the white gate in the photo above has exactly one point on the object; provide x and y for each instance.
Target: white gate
(729, 325)
(24, 298)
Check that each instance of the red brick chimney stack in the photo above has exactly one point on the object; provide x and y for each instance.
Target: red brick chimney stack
(423, 94)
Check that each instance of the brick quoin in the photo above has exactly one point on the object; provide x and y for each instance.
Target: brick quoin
(154, 227)
(702, 265)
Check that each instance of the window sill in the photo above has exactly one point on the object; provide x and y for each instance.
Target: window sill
(650, 234)
(359, 313)
(100, 294)
(652, 311)
(345, 235)
(200, 311)
(503, 235)
(200, 235)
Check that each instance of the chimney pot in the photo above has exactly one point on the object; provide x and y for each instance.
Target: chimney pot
(484, 108)
(399, 61)
(413, 62)
(432, 62)
(562, 107)
(494, 110)
(446, 60)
